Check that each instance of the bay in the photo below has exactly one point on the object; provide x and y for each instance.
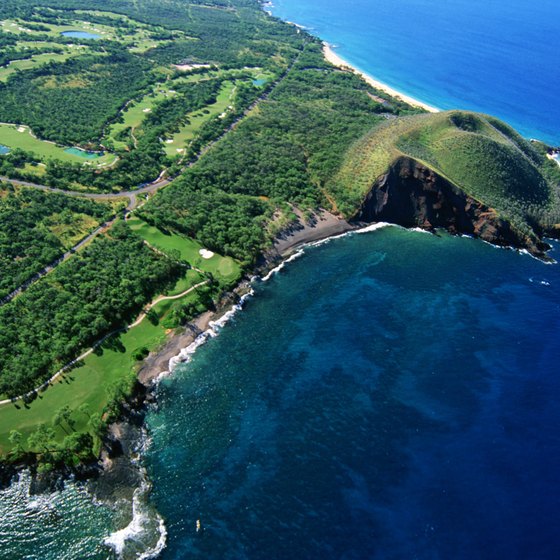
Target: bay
(387, 395)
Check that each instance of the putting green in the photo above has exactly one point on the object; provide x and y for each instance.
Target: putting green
(14, 136)
(222, 268)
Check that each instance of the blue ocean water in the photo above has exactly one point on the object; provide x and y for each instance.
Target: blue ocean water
(498, 57)
(390, 395)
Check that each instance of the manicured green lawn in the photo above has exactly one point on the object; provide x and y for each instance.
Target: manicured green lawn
(220, 267)
(35, 62)
(191, 278)
(11, 136)
(175, 145)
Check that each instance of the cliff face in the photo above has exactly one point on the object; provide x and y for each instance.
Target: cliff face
(412, 195)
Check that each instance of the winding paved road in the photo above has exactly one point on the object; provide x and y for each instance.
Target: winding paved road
(132, 195)
(101, 341)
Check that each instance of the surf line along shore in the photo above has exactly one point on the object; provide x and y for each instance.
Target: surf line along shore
(336, 60)
(321, 225)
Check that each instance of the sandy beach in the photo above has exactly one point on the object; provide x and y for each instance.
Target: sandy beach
(335, 59)
(322, 225)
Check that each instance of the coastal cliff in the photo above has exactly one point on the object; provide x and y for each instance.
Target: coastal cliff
(412, 195)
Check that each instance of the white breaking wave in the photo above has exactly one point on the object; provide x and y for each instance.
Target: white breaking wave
(139, 528)
(214, 328)
(136, 539)
(296, 255)
(374, 227)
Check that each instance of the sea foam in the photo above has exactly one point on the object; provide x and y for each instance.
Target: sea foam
(212, 331)
(136, 540)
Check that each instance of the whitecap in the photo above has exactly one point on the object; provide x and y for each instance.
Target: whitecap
(137, 537)
(212, 331)
(278, 268)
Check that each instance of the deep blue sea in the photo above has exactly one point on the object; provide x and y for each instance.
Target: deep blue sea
(495, 56)
(390, 395)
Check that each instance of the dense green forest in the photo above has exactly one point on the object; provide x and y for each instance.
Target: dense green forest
(74, 101)
(37, 227)
(70, 103)
(284, 153)
(96, 291)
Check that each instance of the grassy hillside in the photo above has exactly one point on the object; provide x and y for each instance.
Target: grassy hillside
(479, 154)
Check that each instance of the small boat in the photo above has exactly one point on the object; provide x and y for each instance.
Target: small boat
(198, 525)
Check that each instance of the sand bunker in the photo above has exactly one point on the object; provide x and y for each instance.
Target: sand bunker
(206, 254)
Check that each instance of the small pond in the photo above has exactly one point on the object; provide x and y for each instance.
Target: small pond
(83, 153)
(259, 82)
(4, 150)
(80, 35)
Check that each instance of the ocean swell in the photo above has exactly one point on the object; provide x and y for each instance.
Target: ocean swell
(145, 536)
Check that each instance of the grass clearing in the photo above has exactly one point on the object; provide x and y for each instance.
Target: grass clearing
(71, 233)
(222, 268)
(15, 136)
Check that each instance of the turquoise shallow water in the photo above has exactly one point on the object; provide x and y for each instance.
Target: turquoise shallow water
(82, 153)
(388, 395)
(498, 57)
(81, 35)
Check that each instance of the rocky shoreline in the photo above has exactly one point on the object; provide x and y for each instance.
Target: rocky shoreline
(117, 473)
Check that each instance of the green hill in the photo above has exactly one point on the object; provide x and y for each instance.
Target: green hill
(475, 154)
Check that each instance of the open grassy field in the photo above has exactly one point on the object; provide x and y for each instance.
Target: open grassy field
(88, 383)
(175, 145)
(15, 136)
(222, 268)
(36, 61)
(70, 234)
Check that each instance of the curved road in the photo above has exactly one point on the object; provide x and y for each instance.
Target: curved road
(132, 195)
(101, 341)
